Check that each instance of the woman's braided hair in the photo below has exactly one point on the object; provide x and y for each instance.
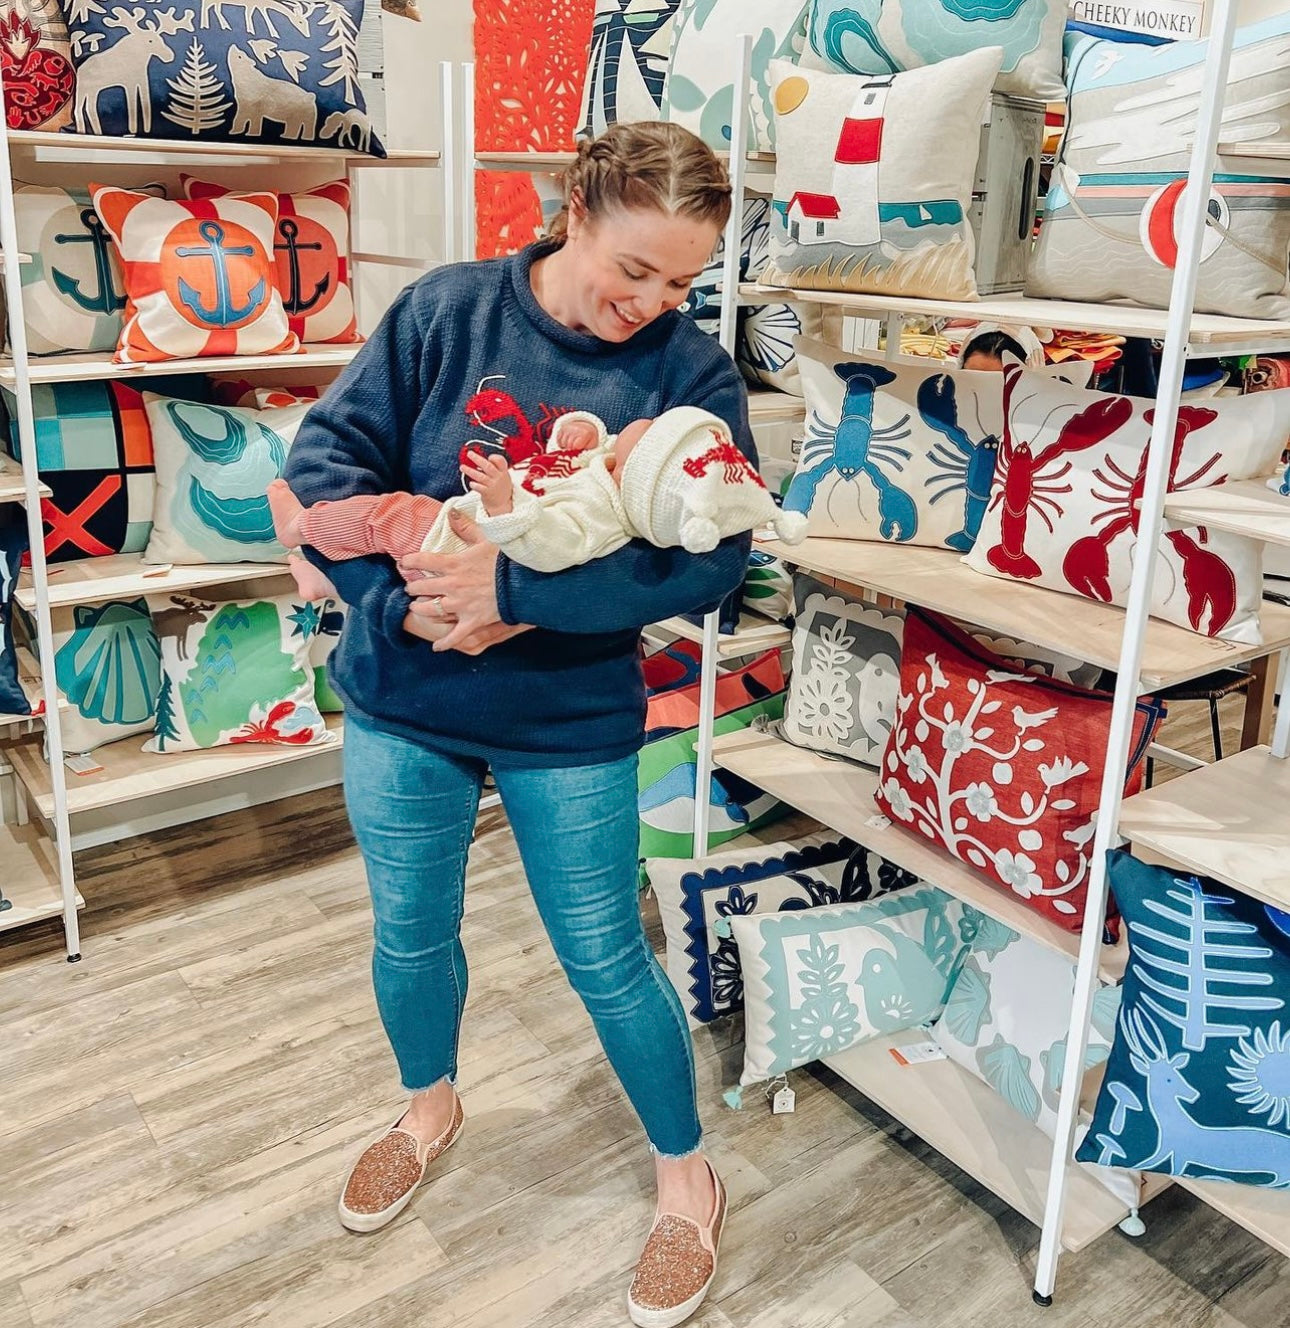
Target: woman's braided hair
(646, 165)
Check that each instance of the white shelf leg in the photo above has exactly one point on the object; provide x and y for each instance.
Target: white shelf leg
(1281, 734)
(707, 719)
(449, 164)
(469, 246)
(1182, 298)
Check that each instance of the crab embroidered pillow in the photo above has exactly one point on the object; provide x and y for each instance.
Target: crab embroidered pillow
(1113, 211)
(36, 65)
(214, 467)
(1197, 1082)
(866, 199)
(311, 248)
(275, 71)
(235, 671)
(1002, 769)
(892, 452)
(627, 67)
(13, 543)
(817, 981)
(1071, 468)
(886, 36)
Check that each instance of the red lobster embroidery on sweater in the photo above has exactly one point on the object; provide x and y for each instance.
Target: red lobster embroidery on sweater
(520, 438)
(736, 468)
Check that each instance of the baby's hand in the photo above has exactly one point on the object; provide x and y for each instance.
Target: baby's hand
(490, 478)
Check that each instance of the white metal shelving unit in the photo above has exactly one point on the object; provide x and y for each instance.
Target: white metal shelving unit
(39, 868)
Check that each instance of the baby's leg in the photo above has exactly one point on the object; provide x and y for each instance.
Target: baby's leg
(310, 582)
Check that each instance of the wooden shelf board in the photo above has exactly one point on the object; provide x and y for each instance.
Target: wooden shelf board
(1265, 1213)
(40, 142)
(1270, 151)
(979, 1132)
(768, 407)
(1126, 319)
(937, 579)
(30, 882)
(543, 162)
(129, 773)
(87, 366)
(126, 576)
(840, 794)
(1245, 507)
(1226, 820)
(753, 634)
(29, 680)
(12, 489)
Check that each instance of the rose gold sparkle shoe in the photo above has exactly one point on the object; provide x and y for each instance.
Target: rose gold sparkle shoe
(677, 1266)
(382, 1182)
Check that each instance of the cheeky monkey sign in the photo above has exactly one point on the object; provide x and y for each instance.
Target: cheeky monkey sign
(1179, 20)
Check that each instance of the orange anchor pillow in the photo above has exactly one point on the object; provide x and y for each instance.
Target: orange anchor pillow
(200, 275)
(311, 248)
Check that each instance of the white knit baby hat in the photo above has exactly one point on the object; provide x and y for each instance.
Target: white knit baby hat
(686, 482)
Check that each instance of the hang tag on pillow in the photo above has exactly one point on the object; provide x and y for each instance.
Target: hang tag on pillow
(783, 1102)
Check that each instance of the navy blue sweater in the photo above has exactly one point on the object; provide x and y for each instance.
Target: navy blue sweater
(467, 353)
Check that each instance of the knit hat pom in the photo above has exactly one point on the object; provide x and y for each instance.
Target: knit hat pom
(700, 534)
(790, 526)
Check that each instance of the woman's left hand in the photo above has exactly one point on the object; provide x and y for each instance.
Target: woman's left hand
(461, 589)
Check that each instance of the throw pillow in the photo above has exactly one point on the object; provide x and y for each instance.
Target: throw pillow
(214, 467)
(820, 980)
(768, 586)
(630, 45)
(894, 452)
(271, 71)
(1112, 211)
(1071, 466)
(673, 708)
(886, 36)
(36, 65)
(1197, 1082)
(235, 671)
(699, 92)
(200, 276)
(1002, 769)
(311, 248)
(13, 543)
(326, 637)
(883, 207)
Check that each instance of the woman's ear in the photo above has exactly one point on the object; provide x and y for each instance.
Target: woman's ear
(577, 212)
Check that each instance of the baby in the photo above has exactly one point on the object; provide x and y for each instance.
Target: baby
(678, 479)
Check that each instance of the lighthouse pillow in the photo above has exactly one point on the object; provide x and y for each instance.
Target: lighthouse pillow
(200, 276)
(866, 197)
(1113, 209)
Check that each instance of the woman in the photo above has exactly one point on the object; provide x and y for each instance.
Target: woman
(535, 675)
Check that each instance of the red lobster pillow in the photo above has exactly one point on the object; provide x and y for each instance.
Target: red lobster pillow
(1070, 471)
(1002, 769)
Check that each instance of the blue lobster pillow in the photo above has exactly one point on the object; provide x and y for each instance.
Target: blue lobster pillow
(274, 71)
(1198, 1083)
(13, 543)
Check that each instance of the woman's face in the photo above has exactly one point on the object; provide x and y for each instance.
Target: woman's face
(629, 266)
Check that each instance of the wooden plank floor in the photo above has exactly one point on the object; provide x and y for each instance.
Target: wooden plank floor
(177, 1111)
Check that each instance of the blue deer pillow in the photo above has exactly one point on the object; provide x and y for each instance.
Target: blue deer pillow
(1198, 1083)
(274, 71)
(13, 543)
(896, 453)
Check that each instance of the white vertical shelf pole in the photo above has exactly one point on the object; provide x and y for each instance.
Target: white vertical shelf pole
(35, 527)
(1281, 734)
(449, 166)
(1182, 298)
(468, 243)
(729, 326)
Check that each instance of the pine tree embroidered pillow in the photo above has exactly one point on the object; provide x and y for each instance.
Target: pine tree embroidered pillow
(312, 251)
(13, 543)
(36, 64)
(1063, 506)
(1198, 1083)
(1002, 769)
(820, 980)
(275, 71)
(214, 467)
(235, 671)
(866, 199)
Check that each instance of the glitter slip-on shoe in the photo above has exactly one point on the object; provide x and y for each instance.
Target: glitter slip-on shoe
(382, 1182)
(677, 1266)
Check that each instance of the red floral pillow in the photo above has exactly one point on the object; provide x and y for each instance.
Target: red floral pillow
(36, 62)
(1002, 769)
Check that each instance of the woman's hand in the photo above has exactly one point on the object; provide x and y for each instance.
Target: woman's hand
(457, 590)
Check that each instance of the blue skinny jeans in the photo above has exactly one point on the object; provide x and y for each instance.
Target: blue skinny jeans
(413, 810)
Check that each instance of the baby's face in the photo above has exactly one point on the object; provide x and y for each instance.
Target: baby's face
(628, 437)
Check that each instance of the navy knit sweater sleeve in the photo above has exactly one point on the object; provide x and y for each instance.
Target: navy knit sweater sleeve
(465, 356)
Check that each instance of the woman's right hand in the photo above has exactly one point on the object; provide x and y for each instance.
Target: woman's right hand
(428, 629)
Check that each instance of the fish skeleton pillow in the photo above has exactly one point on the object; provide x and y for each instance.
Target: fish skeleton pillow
(1113, 210)
(867, 196)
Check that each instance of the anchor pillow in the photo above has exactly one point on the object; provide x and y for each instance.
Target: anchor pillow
(274, 71)
(866, 199)
(214, 467)
(818, 981)
(1197, 1082)
(886, 36)
(200, 275)
(13, 543)
(235, 670)
(311, 247)
(897, 453)
(36, 62)
(1113, 209)
(1063, 506)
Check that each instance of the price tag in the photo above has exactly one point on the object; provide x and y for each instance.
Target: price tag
(83, 764)
(878, 822)
(783, 1101)
(917, 1053)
